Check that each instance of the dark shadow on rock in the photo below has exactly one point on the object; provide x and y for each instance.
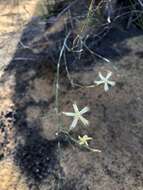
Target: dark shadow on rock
(37, 158)
(114, 45)
(111, 44)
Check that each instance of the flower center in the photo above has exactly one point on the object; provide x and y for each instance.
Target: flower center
(78, 114)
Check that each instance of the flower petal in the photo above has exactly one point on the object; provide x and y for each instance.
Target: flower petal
(84, 110)
(84, 121)
(86, 143)
(79, 137)
(81, 142)
(109, 19)
(101, 76)
(88, 138)
(112, 83)
(109, 74)
(74, 123)
(98, 82)
(75, 108)
(69, 114)
(106, 87)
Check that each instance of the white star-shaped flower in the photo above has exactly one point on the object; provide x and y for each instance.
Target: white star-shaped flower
(84, 140)
(77, 115)
(105, 81)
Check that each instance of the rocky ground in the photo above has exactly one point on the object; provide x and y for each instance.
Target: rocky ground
(29, 151)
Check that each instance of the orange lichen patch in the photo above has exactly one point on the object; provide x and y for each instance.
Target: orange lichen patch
(13, 16)
(11, 177)
(6, 93)
(7, 135)
(6, 103)
(7, 131)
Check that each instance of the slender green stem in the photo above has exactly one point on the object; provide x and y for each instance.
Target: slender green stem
(75, 141)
